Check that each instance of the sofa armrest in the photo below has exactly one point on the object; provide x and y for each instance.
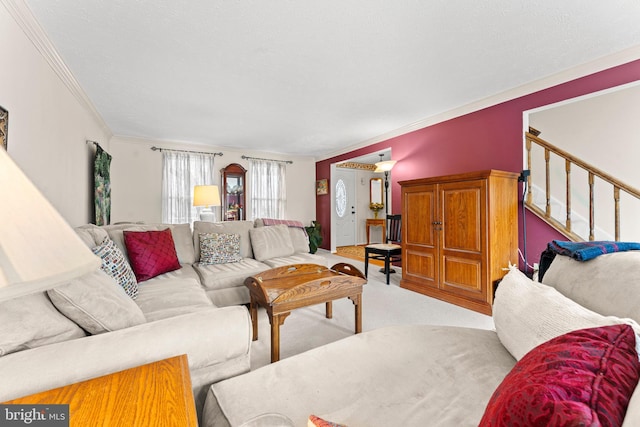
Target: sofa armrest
(208, 337)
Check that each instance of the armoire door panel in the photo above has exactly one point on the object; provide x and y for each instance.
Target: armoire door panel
(419, 218)
(421, 267)
(462, 217)
(462, 275)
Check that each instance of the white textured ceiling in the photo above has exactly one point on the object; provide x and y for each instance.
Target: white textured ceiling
(309, 77)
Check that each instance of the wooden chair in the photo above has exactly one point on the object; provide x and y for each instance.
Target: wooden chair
(390, 251)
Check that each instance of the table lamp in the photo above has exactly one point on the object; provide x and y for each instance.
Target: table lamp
(38, 249)
(207, 196)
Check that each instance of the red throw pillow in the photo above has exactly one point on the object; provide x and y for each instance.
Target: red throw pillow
(585, 377)
(315, 421)
(151, 253)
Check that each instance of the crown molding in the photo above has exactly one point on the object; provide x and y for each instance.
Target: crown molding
(600, 64)
(25, 19)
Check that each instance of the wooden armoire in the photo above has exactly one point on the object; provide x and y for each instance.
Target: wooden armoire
(459, 233)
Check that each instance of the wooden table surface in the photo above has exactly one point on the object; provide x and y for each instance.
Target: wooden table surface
(376, 222)
(282, 289)
(156, 394)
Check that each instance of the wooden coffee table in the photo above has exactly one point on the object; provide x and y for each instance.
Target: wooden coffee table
(283, 289)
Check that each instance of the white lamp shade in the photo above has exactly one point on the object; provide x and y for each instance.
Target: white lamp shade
(206, 195)
(38, 249)
(385, 166)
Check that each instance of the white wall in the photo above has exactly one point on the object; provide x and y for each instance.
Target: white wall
(136, 179)
(48, 125)
(589, 128)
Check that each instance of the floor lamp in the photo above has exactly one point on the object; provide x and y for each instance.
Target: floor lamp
(385, 166)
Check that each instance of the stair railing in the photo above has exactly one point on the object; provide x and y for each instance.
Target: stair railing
(592, 171)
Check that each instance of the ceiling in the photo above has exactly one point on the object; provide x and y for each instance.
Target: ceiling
(308, 77)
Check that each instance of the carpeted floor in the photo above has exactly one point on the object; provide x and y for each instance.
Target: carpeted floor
(382, 305)
(355, 253)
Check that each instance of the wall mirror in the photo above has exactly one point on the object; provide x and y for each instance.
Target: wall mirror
(375, 190)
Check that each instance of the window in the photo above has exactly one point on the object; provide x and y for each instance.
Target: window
(268, 193)
(181, 171)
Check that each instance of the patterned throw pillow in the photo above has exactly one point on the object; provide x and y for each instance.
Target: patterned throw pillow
(115, 265)
(583, 378)
(151, 253)
(315, 421)
(219, 248)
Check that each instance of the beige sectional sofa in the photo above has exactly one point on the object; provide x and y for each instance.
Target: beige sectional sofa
(526, 372)
(91, 327)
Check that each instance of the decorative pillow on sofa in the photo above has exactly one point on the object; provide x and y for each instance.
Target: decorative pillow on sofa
(225, 227)
(315, 421)
(528, 313)
(32, 321)
(219, 248)
(583, 378)
(151, 253)
(115, 265)
(96, 303)
(273, 241)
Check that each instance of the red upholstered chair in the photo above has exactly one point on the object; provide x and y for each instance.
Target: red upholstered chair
(390, 251)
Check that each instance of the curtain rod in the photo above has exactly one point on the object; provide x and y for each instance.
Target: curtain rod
(269, 160)
(88, 141)
(186, 151)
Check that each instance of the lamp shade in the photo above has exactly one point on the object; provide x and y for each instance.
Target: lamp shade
(206, 195)
(385, 166)
(38, 249)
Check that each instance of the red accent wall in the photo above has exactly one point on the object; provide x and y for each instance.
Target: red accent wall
(490, 138)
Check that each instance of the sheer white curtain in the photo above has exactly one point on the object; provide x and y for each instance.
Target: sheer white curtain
(181, 171)
(268, 189)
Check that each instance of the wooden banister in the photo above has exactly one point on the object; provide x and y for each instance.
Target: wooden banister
(599, 173)
(593, 173)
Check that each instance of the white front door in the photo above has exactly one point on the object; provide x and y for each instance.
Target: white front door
(344, 212)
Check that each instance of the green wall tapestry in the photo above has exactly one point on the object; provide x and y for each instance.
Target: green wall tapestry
(102, 184)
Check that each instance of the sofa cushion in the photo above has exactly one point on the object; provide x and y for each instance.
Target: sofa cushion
(229, 275)
(91, 234)
(271, 242)
(226, 227)
(216, 248)
(607, 284)
(151, 253)
(409, 375)
(32, 321)
(583, 378)
(528, 313)
(96, 303)
(298, 234)
(297, 258)
(299, 239)
(183, 240)
(172, 294)
(116, 265)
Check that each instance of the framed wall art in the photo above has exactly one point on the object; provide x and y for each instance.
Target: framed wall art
(4, 127)
(322, 187)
